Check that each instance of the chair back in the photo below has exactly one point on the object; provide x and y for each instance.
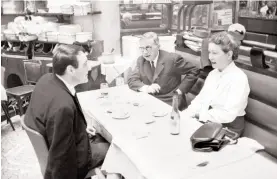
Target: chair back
(39, 145)
(32, 69)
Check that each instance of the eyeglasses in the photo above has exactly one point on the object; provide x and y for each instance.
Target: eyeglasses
(147, 48)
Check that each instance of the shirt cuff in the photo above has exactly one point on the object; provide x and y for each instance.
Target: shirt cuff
(179, 91)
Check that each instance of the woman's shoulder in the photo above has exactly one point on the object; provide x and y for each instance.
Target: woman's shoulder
(239, 73)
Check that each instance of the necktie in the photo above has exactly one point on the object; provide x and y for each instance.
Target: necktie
(152, 67)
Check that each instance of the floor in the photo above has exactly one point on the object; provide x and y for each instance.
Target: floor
(18, 158)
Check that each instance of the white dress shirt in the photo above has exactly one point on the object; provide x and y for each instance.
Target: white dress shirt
(226, 92)
(156, 60)
(69, 87)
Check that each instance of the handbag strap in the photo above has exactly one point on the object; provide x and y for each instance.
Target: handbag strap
(232, 139)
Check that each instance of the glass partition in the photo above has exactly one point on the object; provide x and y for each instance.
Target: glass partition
(258, 9)
(222, 15)
(136, 16)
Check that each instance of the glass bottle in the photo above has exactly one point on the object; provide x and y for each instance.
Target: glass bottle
(175, 116)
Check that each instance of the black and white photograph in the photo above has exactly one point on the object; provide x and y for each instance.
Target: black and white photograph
(138, 89)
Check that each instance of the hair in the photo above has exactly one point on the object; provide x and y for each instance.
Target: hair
(65, 55)
(227, 42)
(151, 35)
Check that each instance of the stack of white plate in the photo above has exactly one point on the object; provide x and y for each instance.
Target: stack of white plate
(42, 37)
(51, 27)
(10, 35)
(52, 36)
(67, 9)
(83, 36)
(82, 8)
(66, 38)
(71, 28)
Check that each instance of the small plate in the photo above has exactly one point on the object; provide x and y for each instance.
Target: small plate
(159, 113)
(118, 115)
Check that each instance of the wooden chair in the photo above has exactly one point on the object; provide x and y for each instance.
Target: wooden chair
(32, 69)
(41, 150)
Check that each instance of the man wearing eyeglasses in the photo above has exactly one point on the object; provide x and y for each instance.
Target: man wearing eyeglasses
(159, 73)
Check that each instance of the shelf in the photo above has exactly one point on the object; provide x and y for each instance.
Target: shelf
(49, 42)
(95, 12)
(49, 14)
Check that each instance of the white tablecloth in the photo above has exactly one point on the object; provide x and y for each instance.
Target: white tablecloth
(149, 150)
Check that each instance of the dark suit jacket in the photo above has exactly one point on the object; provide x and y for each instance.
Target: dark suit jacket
(54, 113)
(168, 74)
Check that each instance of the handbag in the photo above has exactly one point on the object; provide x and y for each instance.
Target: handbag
(212, 136)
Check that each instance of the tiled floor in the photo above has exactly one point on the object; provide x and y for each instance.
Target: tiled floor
(18, 158)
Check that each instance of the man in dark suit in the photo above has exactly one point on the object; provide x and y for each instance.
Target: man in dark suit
(160, 73)
(55, 113)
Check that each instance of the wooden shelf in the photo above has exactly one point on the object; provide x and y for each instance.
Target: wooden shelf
(95, 12)
(49, 14)
(48, 42)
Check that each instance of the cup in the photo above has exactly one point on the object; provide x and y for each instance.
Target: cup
(107, 58)
(119, 81)
(104, 89)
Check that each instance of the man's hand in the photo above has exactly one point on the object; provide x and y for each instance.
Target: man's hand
(154, 88)
(179, 92)
(91, 131)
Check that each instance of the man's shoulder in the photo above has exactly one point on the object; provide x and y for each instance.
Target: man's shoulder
(166, 54)
(48, 89)
(45, 79)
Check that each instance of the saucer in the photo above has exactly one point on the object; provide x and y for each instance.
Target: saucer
(120, 115)
(159, 113)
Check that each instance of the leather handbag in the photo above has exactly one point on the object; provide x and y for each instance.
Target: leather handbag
(212, 136)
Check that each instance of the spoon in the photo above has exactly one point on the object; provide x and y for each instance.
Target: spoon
(203, 164)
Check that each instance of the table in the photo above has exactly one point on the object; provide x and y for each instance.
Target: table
(149, 150)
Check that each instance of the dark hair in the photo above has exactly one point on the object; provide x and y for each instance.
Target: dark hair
(227, 42)
(65, 55)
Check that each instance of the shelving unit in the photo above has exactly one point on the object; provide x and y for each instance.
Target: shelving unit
(48, 14)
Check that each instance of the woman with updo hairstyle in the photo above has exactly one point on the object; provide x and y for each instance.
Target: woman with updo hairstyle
(224, 96)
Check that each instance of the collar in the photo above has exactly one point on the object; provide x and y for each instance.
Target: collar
(70, 87)
(229, 68)
(156, 59)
